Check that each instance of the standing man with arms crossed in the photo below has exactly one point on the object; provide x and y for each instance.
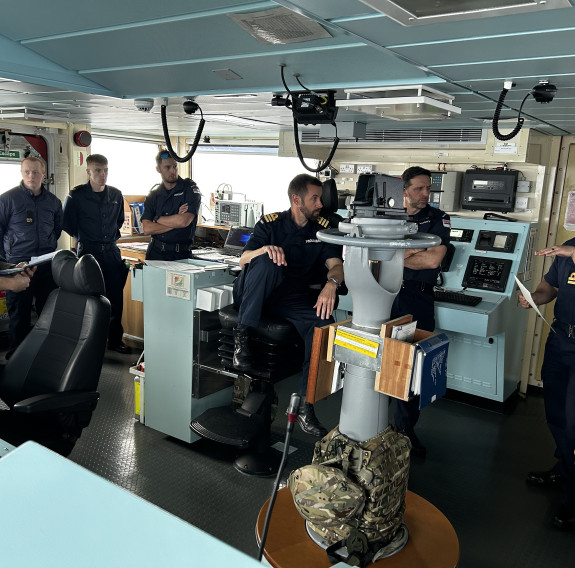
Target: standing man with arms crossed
(558, 376)
(282, 256)
(93, 215)
(421, 268)
(171, 212)
(30, 225)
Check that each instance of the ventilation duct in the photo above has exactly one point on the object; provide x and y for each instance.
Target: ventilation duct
(406, 138)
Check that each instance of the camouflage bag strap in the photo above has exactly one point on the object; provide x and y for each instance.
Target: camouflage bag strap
(359, 551)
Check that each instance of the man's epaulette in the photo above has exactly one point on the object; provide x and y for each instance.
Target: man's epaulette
(323, 222)
(270, 217)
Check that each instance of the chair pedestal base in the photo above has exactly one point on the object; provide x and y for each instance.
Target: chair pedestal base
(264, 464)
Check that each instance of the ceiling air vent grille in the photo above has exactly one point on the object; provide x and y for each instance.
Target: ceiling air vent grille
(443, 136)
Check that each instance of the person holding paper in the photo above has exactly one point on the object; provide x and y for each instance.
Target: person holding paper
(17, 282)
(93, 215)
(421, 268)
(558, 376)
(30, 225)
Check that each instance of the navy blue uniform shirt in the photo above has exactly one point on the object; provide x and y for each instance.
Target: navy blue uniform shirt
(161, 202)
(436, 222)
(561, 275)
(303, 250)
(94, 217)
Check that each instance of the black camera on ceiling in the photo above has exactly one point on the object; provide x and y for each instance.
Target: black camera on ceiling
(544, 92)
(278, 100)
(190, 107)
(314, 107)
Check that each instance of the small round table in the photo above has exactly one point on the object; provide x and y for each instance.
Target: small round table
(432, 540)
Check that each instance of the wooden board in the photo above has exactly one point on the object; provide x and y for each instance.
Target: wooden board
(321, 366)
(394, 378)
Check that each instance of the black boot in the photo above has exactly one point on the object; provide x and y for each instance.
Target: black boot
(242, 360)
(417, 448)
(308, 421)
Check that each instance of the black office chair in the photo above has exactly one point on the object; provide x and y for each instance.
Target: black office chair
(49, 383)
(277, 351)
(330, 201)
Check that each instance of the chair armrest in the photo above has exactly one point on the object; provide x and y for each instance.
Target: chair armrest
(70, 401)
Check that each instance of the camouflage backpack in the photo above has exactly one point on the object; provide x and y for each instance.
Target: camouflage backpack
(353, 493)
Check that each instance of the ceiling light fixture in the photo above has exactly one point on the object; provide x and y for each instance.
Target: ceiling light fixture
(418, 12)
(32, 114)
(403, 103)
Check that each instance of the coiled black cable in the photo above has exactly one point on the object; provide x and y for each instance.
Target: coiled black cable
(300, 156)
(520, 119)
(167, 137)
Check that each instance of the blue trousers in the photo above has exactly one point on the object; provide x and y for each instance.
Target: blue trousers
(411, 299)
(558, 376)
(261, 288)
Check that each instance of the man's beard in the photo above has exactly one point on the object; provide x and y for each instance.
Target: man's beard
(309, 215)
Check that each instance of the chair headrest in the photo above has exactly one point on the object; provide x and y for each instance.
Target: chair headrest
(329, 196)
(78, 275)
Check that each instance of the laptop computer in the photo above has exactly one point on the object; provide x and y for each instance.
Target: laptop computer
(232, 249)
(236, 240)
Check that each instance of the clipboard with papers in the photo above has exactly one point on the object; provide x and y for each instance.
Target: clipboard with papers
(34, 261)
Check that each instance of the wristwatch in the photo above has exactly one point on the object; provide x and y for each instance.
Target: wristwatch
(336, 282)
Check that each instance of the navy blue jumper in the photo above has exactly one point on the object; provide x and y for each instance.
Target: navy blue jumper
(30, 225)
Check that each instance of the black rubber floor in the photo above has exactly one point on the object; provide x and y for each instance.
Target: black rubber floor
(474, 473)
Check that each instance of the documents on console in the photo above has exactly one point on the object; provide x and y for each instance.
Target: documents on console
(175, 266)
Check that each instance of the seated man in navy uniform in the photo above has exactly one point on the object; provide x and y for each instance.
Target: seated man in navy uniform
(171, 212)
(283, 254)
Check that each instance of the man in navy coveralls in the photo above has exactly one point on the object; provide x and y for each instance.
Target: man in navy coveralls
(421, 268)
(93, 215)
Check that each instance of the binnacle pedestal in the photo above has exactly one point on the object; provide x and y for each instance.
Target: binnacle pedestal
(373, 271)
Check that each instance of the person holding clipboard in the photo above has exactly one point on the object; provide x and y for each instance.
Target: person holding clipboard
(30, 226)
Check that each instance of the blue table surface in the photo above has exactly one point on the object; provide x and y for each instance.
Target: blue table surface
(56, 513)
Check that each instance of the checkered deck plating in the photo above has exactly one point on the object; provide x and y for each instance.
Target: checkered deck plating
(474, 473)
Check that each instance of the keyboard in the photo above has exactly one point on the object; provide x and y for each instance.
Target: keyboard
(456, 298)
(217, 257)
(232, 252)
